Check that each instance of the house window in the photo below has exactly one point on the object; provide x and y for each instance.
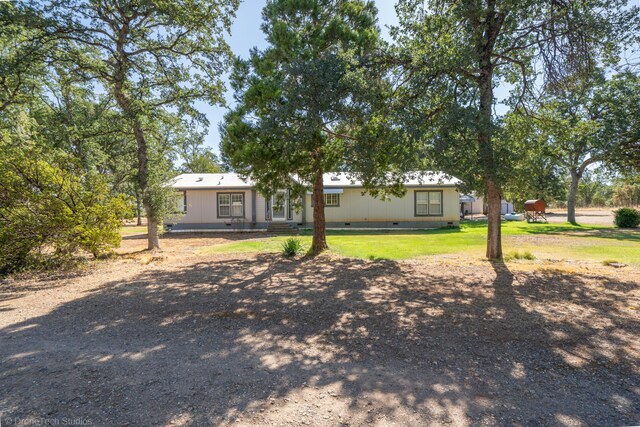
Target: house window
(428, 203)
(180, 204)
(230, 205)
(332, 199)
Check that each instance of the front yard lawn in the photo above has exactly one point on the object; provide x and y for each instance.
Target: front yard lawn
(554, 241)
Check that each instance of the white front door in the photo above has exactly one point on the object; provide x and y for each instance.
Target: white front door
(279, 206)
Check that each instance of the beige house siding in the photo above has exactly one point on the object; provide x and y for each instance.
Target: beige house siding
(202, 207)
(355, 207)
(297, 216)
(261, 206)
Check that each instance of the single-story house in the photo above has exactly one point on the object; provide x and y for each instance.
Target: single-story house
(473, 205)
(226, 201)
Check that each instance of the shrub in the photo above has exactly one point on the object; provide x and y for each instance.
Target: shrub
(291, 247)
(626, 217)
(50, 211)
(519, 255)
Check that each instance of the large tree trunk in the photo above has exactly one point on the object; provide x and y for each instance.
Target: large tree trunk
(485, 42)
(494, 230)
(132, 113)
(489, 166)
(153, 238)
(571, 200)
(319, 242)
(153, 241)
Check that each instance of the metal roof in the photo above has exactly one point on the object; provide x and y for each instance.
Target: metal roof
(412, 179)
(331, 179)
(209, 180)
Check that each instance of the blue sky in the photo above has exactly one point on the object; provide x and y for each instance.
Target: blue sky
(246, 33)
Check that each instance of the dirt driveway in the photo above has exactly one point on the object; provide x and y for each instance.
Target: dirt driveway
(258, 340)
(598, 216)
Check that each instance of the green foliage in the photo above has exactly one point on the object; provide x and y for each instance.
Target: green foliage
(49, 212)
(156, 59)
(23, 50)
(310, 103)
(626, 217)
(292, 247)
(446, 48)
(533, 174)
(618, 102)
(454, 53)
(307, 103)
(625, 194)
(594, 189)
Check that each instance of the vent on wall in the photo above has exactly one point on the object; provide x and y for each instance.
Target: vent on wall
(395, 223)
(347, 223)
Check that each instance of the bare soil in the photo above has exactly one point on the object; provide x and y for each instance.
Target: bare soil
(179, 338)
(596, 216)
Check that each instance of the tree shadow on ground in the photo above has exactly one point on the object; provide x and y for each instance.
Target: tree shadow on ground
(229, 235)
(381, 342)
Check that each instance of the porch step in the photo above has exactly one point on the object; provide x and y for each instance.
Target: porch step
(282, 228)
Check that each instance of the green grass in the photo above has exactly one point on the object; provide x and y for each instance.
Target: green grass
(555, 241)
(133, 229)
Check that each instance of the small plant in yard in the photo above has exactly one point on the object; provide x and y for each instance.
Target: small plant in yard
(626, 217)
(519, 255)
(291, 247)
(613, 263)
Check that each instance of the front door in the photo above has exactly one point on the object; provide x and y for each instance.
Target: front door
(279, 206)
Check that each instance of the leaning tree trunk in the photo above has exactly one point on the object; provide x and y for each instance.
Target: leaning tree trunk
(571, 200)
(132, 113)
(319, 242)
(153, 240)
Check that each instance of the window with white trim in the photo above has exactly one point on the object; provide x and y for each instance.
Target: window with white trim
(230, 205)
(331, 199)
(428, 203)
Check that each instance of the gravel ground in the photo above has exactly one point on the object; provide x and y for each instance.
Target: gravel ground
(598, 216)
(180, 339)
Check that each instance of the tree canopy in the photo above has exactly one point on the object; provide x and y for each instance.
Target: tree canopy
(453, 54)
(155, 58)
(307, 103)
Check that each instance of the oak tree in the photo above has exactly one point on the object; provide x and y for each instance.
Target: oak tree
(454, 53)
